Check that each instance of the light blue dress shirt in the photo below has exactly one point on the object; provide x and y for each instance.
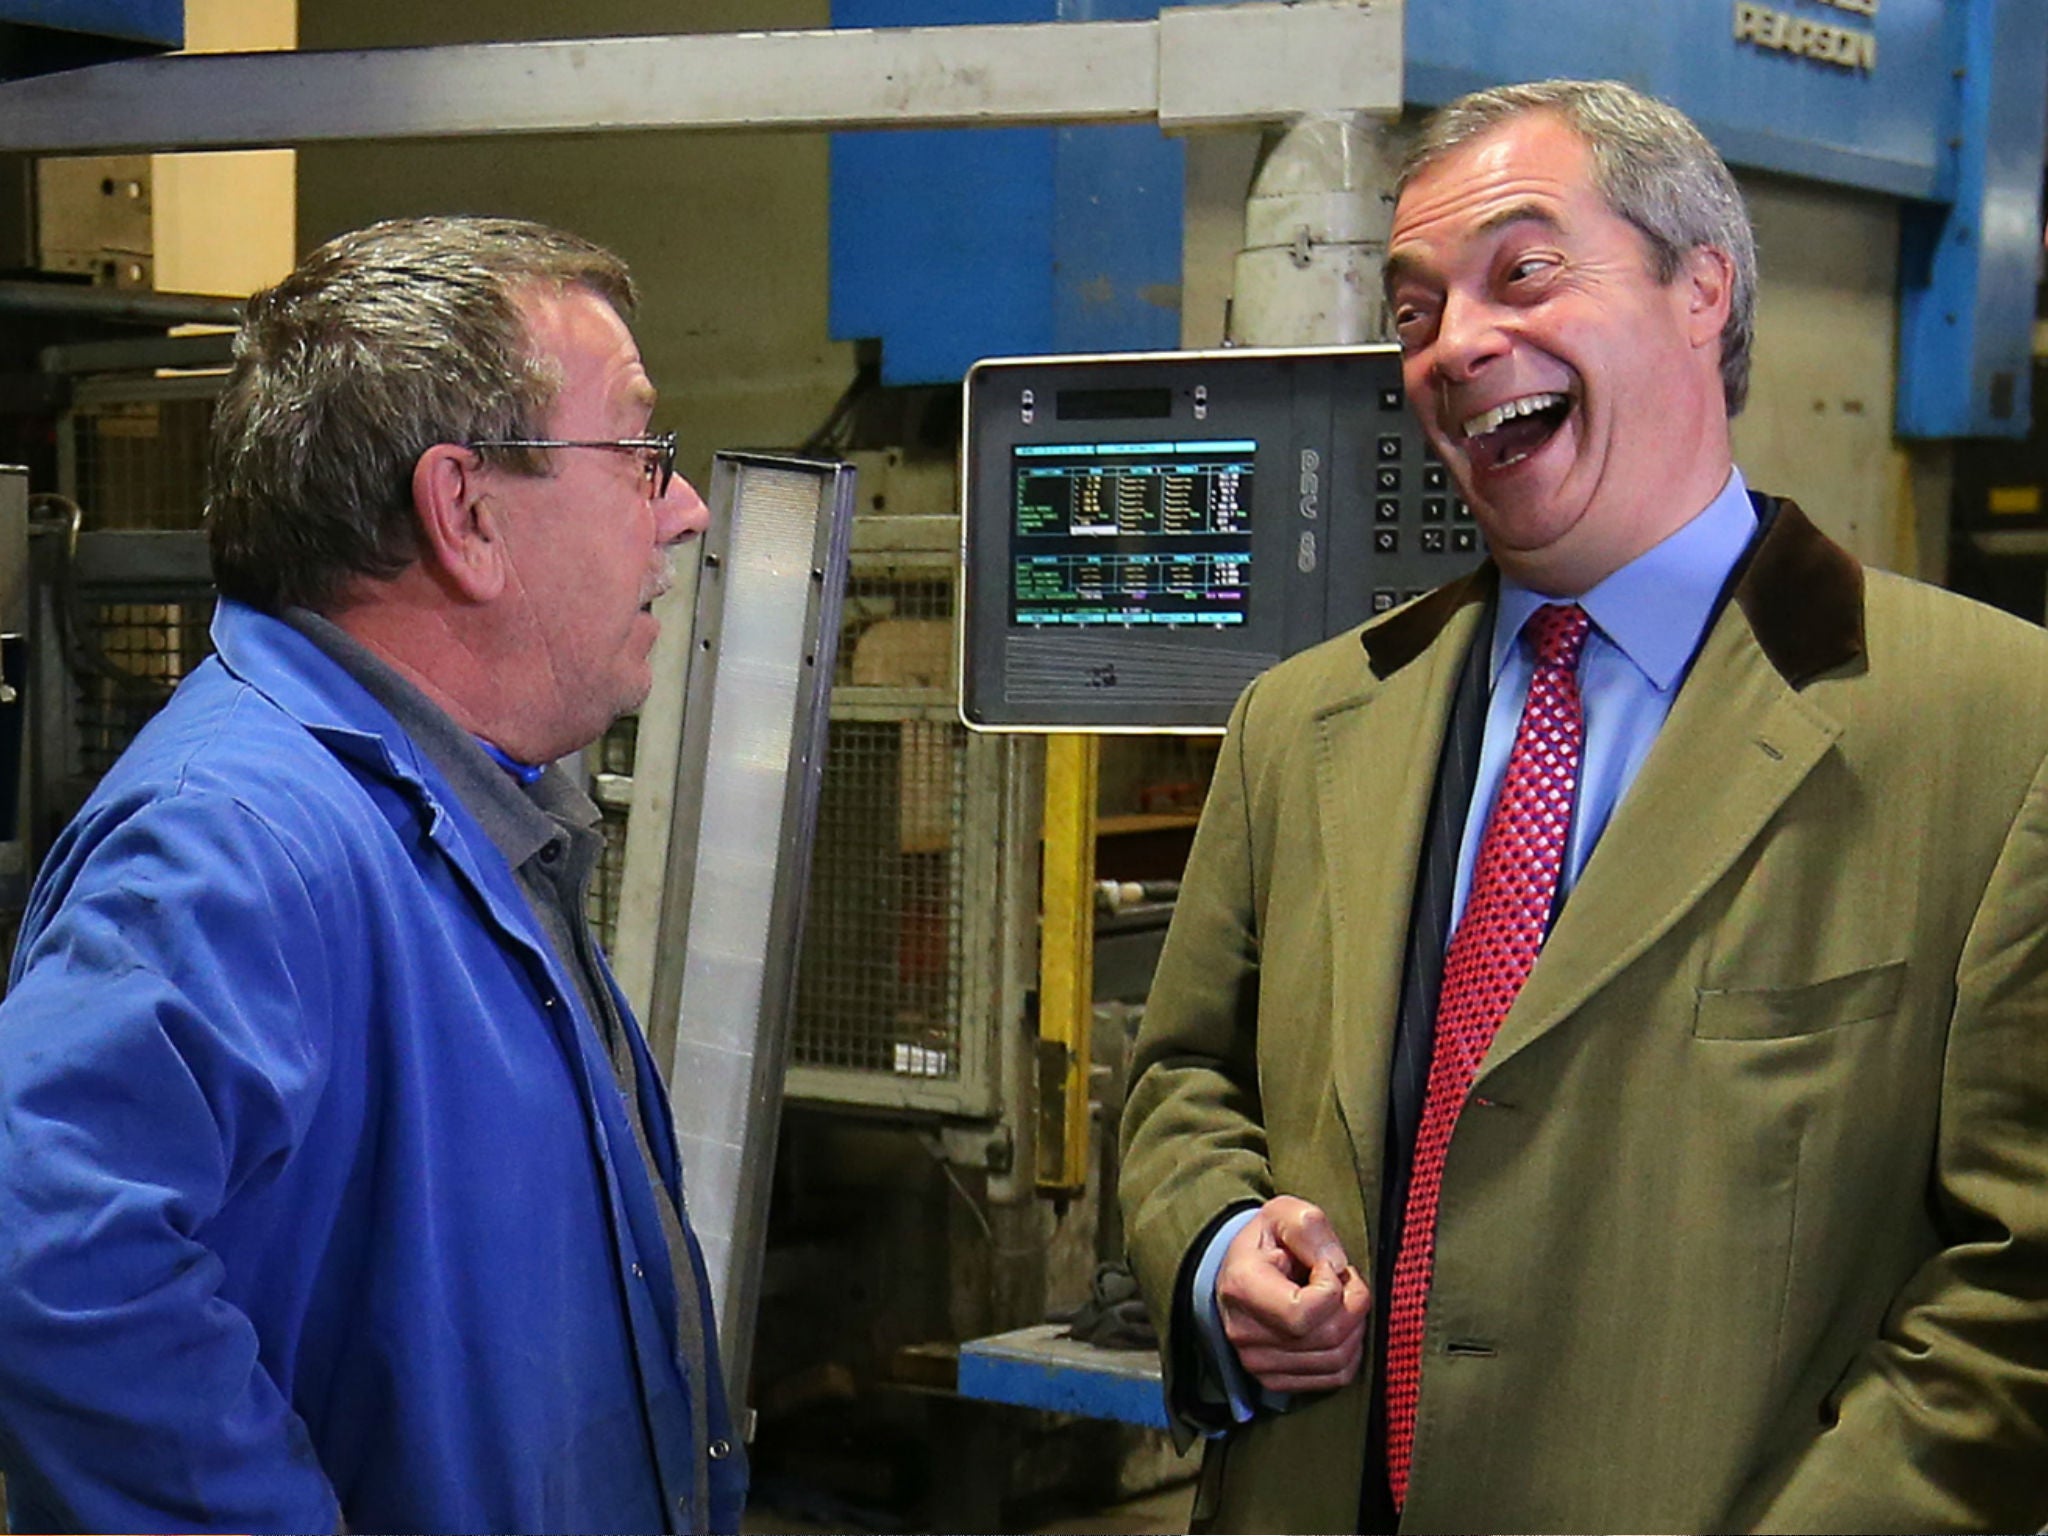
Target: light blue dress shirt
(1648, 620)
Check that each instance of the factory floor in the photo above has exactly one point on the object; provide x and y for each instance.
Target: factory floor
(1162, 1510)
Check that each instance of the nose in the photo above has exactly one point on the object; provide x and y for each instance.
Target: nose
(680, 513)
(1468, 337)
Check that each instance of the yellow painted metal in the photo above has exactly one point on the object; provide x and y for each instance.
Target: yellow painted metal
(1066, 961)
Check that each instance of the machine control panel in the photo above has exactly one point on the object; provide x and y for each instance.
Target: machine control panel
(1144, 533)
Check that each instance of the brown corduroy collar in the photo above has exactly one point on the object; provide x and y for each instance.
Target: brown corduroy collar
(1801, 592)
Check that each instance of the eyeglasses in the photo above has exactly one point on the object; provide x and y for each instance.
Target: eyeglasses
(657, 454)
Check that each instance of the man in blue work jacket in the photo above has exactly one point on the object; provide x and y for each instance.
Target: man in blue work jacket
(338, 1187)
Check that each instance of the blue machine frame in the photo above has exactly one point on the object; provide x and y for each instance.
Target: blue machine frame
(958, 244)
(968, 243)
(157, 22)
(1969, 263)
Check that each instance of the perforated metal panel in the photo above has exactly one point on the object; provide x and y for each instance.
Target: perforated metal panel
(734, 839)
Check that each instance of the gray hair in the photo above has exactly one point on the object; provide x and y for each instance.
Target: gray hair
(1650, 165)
(381, 344)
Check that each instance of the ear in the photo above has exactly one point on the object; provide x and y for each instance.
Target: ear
(1706, 282)
(461, 543)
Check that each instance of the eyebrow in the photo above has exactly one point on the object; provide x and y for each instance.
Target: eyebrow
(1399, 266)
(1519, 213)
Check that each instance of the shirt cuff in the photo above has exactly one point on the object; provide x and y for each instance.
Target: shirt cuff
(1224, 1381)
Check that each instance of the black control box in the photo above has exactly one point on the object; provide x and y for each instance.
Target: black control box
(1144, 533)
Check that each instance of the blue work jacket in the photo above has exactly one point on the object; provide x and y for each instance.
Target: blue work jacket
(319, 1202)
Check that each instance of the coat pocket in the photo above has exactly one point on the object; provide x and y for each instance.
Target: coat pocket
(1781, 1013)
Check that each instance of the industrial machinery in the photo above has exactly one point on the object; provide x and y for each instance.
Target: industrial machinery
(953, 1084)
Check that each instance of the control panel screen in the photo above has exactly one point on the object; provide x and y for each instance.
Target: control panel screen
(1132, 533)
(1143, 534)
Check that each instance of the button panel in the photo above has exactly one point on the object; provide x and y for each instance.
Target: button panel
(1421, 533)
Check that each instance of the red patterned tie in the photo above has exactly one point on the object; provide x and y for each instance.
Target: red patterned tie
(1514, 885)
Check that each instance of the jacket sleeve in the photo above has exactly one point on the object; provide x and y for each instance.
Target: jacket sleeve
(1194, 1141)
(159, 1051)
(1941, 1422)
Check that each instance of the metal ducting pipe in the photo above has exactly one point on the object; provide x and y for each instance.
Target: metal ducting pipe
(1316, 224)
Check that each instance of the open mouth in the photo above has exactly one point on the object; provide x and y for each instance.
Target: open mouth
(1514, 429)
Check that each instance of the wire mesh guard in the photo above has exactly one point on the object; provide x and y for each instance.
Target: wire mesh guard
(139, 464)
(138, 653)
(879, 982)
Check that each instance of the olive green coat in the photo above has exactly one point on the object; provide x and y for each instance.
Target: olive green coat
(1747, 1223)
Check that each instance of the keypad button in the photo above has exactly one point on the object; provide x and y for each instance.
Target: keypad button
(1390, 399)
(1390, 447)
(1460, 512)
(1465, 540)
(1432, 541)
(1387, 509)
(1389, 478)
(1383, 599)
(1435, 477)
(1433, 509)
(1386, 540)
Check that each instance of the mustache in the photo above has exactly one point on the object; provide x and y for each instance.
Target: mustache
(664, 580)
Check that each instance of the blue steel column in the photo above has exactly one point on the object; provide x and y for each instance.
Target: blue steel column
(942, 238)
(1968, 270)
(1116, 230)
(958, 244)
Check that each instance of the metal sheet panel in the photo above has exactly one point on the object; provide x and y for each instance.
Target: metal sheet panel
(770, 580)
(1766, 107)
